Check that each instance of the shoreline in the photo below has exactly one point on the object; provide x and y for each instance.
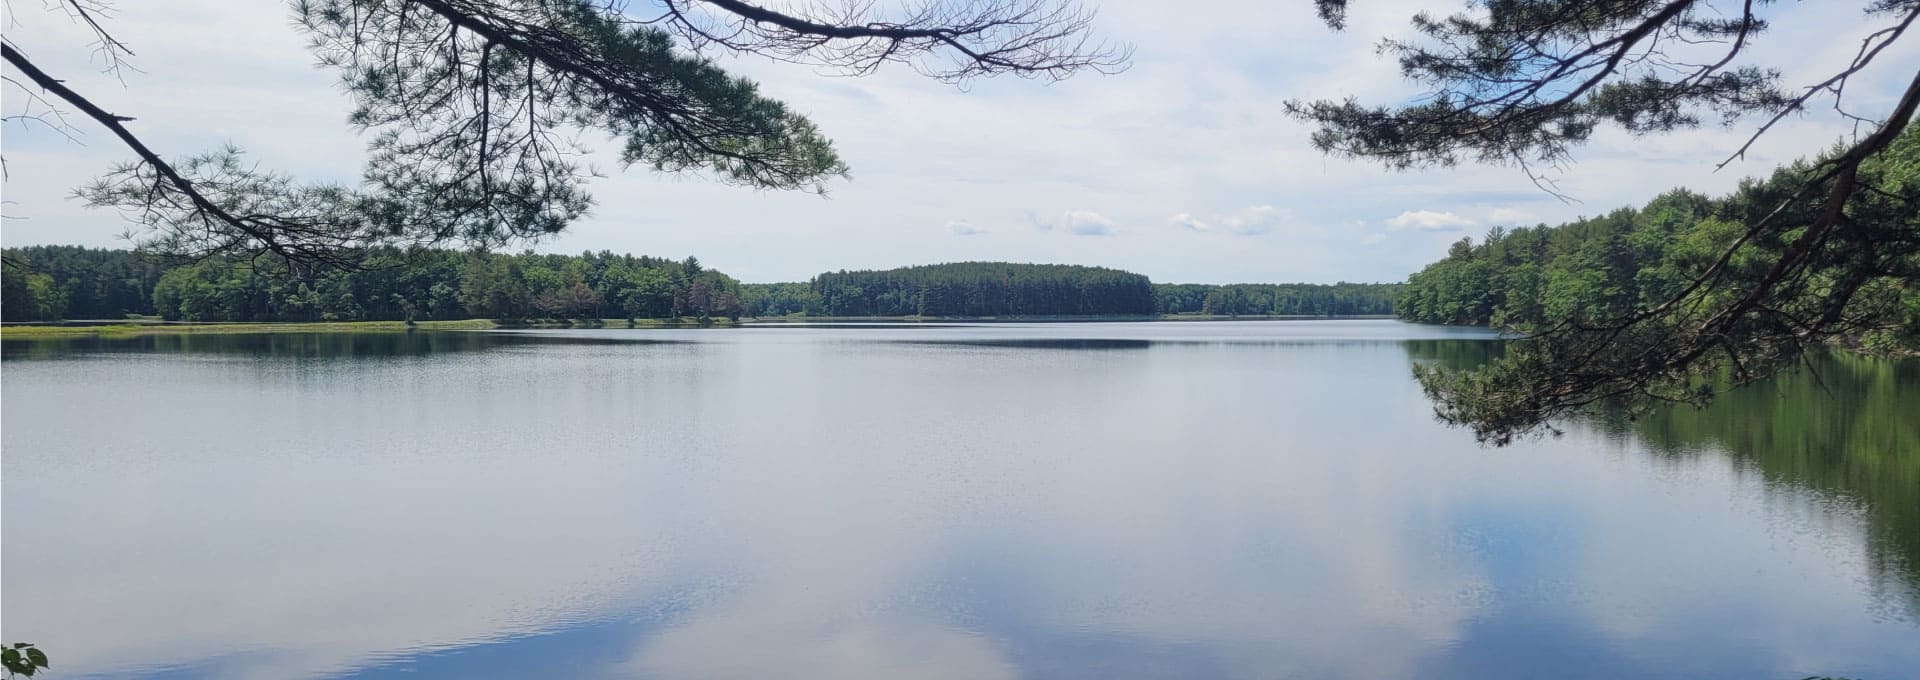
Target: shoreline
(136, 329)
(141, 328)
(1113, 318)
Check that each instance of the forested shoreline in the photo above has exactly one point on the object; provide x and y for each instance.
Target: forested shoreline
(1535, 277)
(971, 289)
(1285, 299)
(71, 282)
(992, 289)
(46, 283)
(1594, 270)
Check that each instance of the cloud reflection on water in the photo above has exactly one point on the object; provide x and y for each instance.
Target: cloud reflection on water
(805, 504)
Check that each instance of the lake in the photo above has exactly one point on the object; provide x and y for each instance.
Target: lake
(1126, 500)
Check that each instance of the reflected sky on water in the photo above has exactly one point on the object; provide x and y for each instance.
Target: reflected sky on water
(1260, 499)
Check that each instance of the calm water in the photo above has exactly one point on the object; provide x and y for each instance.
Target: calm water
(1231, 500)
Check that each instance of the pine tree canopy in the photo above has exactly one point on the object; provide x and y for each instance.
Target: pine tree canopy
(1815, 254)
(474, 110)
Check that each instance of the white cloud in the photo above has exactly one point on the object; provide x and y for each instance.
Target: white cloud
(1089, 223)
(1372, 239)
(1189, 222)
(1428, 220)
(1256, 220)
(1511, 216)
(1075, 222)
(964, 228)
(1040, 225)
(1249, 221)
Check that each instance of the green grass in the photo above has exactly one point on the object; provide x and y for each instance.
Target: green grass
(682, 322)
(1269, 317)
(132, 329)
(802, 318)
(135, 328)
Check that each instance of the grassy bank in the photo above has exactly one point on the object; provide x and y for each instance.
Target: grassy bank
(802, 318)
(131, 329)
(1273, 317)
(154, 328)
(1046, 319)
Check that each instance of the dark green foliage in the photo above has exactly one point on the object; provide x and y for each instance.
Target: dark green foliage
(26, 296)
(23, 659)
(1668, 302)
(1528, 277)
(779, 299)
(70, 282)
(1292, 299)
(984, 289)
(45, 283)
(1001, 289)
(390, 285)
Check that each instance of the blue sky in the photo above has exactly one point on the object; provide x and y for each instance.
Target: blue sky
(1182, 168)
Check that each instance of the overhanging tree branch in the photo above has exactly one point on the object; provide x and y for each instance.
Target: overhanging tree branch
(114, 123)
(1522, 81)
(1044, 38)
(477, 108)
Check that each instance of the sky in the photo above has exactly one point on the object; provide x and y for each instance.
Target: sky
(1183, 167)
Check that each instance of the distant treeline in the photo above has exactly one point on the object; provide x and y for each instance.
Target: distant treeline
(1290, 299)
(41, 283)
(70, 282)
(1002, 289)
(959, 289)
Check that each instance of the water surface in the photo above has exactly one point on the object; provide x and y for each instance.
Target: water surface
(1263, 499)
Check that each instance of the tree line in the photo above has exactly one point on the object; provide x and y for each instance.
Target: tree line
(1007, 289)
(1587, 273)
(960, 289)
(1529, 276)
(71, 282)
(1289, 299)
(55, 282)
(44, 283)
